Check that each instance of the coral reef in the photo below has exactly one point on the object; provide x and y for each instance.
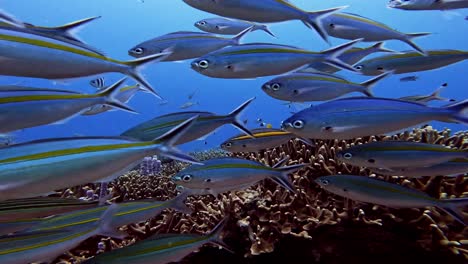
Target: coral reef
(265, 215)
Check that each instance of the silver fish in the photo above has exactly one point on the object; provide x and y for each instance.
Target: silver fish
(188, 105)
(450, 168)
(391, 154)
(368, 190)
(226, 26)
(206, 123)
(411, 78)
(411, 61)
(305, 87)
(32, 108)
(185, 45)
(265, 11)
(47, 165)
(428, 4)
(424, 99)
(366, 116)
(29, 52)
(161, 249)
(228, 174)
(259, 59)
(98, 83)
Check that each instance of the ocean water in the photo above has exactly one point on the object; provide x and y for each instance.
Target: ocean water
(125, 23)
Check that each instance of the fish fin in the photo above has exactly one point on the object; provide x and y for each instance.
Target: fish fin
(266, 29)
(236, 121)
(409, 40)
(10, 19)
(332, 55)
(314, 20)
(138, 64)
(369, 84)
(307, 141)
(283, 179)
(178, 202)
(104, 228)
(458, 112)
(436, 94)
(379, 47)
(451, 207)
(69, 30)
(281, 163)
(337, 129)
(169, 139)
(109, 93)
(237, 38)
(215, 235)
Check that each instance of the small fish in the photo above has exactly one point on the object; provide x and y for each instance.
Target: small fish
(428, 4)
(424, 99)
(259, 120)
(228, 174)
(411, 61)
(263, 124)
(264, 138)
(54, 164)
(226, 26)
(306, 87)
(185, 45)
(368, 190)
(206, 123)
(98, 83)
(265, 11)
(188, 105)
(366, 116)
(190, 97)
(161, 249)
(24, 109)
(352, 26)
(257, 60)
(412, 78)
(391, 154)
(450, 168)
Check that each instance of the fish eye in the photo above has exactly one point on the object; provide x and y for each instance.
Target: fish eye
(325, 182)
(380, 68)
(202, 23)
(347, 155)
(295, 92)
(275, 86)
(298, 124)
(203, 64)
(138, 51)
(228, 145)
(358, 67)
(187, 178)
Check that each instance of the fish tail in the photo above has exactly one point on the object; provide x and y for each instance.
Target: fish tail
(69, 30)
(452, 207)
(215, 235)
(235, 119)
(368, 85)
(109, 94)
(135, 67)
(237, 38)
(457, 112)
(283, 179)
(409, 40)
(266, 29)
(379, 47)
(10, 19)
(104, 226)
(332, 55)
(166, 142)
(436, 94)
(178, 203)
(313, 20)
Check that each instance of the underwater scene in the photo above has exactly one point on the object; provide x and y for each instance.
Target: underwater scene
(233, 131)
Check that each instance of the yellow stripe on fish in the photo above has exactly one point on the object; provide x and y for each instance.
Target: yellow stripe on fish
(268, 50)
(170, 245)
(264, 134)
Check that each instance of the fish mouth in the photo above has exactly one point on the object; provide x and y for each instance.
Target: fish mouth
(286, 125)
(194, 66)
(394, 3)
(266, 87)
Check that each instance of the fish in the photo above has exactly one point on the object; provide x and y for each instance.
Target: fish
(190, 96)
(220, 175)
(390, 154)
(266, 11)
(188, 105)
(98, 83)
(226, 26)
(369, 190)
(410, 61)
(22, 109)
(424, 99)
(351, 57)
(261, 59)
(355, 117)
(185, 45)
(416, 5)
(161, 249)
(450, 168)
(411, 78)
(57, 163)
(305, 87)
(264, 138)
(46, 246)
(353, 26)
(206, 123)
(28, 52)
(124, 95)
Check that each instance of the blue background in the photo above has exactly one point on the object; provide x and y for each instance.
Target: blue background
(125, 23)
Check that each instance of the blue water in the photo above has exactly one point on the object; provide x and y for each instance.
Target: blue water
(125, 23)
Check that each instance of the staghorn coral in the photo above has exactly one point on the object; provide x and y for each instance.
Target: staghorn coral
(264, 215)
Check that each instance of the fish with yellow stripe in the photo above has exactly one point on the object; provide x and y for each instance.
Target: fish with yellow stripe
(450, 168)
(161, 249)
(24, 108)
(369, 190)
(29, 52)
(46, 246)
(33, 168)
(263, 138)
(231, 174)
